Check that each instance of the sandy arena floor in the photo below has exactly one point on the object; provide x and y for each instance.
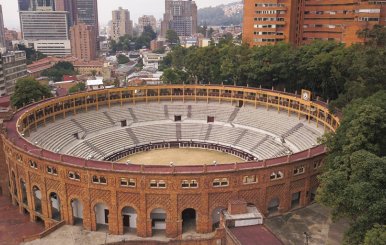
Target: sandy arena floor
(181, 157)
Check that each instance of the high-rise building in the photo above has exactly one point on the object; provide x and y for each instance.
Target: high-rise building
(13, 66)
(24, 5)
(83, 41)
(44, 25)
(147, 20)
(86, 12)
(121, 24)
(2, 31)
(297, 22)
(180, 16)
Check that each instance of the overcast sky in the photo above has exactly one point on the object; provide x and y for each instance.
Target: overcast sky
(136, 8)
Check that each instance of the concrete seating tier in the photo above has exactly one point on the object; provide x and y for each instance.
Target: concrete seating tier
(255, 130)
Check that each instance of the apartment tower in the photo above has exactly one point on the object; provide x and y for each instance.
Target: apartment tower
(298, 22)
(121, 24)
(147, 20)
(83, 41)
(180, 16)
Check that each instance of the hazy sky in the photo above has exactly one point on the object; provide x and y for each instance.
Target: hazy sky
(136, 8)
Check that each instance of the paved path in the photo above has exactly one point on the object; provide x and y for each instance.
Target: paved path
(13, 225)
(315, 220)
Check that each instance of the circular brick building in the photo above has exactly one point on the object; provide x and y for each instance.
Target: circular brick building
(63, 156)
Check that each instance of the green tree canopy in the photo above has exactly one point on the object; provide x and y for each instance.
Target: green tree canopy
(60, 69)
(31, 54)
(376, 236)
(77, 88)
(29, 90)
(172, 37)
(353, 183)
(122, 59)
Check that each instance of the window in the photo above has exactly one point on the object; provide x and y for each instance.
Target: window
(276, 175)
(157, 184)
(189, 184)
(52, 170)
(299, 170)
(33, 164)
(99, 180)
(317, 164)
(74, 176)
(250, 179)
(220, 182)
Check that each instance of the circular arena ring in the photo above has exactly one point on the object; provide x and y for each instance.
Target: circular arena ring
(76, 159)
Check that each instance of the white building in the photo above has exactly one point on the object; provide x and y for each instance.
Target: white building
(121, 24)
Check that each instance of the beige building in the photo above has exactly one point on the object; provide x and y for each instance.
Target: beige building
(83, 42)
(147, 20)
(121, 24)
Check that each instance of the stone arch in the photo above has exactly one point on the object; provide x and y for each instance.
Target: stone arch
(37, 198)
(158, 217)
(101, 213)
(273, 205)
(13, 182)
(215, 215)
(129, 214)
(23, 189)
(189, 220)
(313, 191)
(54, 205)
(76, 209)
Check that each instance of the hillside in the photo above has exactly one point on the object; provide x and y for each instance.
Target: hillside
(222, 15)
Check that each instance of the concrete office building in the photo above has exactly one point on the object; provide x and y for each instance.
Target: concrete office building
(121, 24)
(2, 31)
(147, 20)
(13, 66)
(300, 22)
(83, 41)
(180, 16)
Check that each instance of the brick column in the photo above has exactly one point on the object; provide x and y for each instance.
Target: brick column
(203, 224)
(143, 229)
(113, 214)
(88, 213)
(172, 218)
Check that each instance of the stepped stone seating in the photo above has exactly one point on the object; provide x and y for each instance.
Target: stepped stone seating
(254, 130)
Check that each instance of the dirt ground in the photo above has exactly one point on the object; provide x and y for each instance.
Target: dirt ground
(180, 157)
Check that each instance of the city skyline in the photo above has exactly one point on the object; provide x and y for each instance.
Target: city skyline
(137, 8)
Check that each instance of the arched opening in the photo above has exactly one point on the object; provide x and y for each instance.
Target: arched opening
(129, 220)
(189, 220)
(37, 198)
(77, 212)
(295, 201)
(158, 221)
(313, 194)
(14, 184)
(55, 206)
(216, 214)
(23, 192)
(273, 206)
(101, 216)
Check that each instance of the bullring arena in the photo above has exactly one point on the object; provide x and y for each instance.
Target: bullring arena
(84, 159)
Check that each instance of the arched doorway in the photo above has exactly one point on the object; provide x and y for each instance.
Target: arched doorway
(37, 199)
(23, 192)
(101, 216)
(216, 214)
(55, 206)
(14, 184)
(77, 212)
(189, 220)
(273, 206)
(129, 220)
(158, 222)
(313, 194)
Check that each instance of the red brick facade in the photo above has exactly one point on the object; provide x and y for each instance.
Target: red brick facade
(28, 164)
(299, 22)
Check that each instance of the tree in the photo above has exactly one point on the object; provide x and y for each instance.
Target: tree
(60, 69)
(77, 88)
(174, 76)
(172, 37)
(376, 236)
(29, 90)
(31, 54)
(375, 36)
(353, 183)
(122, 59)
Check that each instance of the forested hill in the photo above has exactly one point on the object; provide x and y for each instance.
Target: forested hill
(222, 15)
